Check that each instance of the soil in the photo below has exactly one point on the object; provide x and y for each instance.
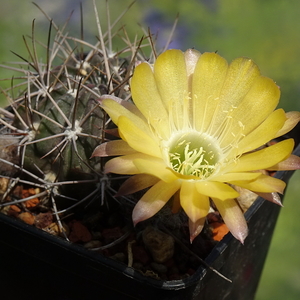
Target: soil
(159, 247)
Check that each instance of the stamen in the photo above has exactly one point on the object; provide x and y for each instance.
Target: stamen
(179, 116)
(193, 153)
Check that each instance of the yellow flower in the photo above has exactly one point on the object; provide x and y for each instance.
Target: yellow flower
(194, 132)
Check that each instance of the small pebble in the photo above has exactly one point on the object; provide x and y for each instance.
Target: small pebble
(79, 232)
(27, 218)
(159, 268)
(159, 244)
(43, 220)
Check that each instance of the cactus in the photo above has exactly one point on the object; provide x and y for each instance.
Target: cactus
(48, 134)
(55, 123)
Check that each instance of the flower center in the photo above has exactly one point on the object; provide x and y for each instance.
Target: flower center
(193, 153)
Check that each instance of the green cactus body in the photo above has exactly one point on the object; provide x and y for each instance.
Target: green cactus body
(56, 123)
(66, 126)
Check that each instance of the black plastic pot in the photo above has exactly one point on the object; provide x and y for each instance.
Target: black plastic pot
(37, 265)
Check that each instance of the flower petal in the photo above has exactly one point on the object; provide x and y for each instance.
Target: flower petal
(291, 163)
(257, 104)
(263, 184)
(272, 197)
(233, 218)
(112, 131)
(113, 148)
(155, 167)
(208, 80)
(216, 189)
(146, 97)
(170, 74)
(191, 57)
(228, 177)
(265, 158)
(263, 133)
(293, 117)
(115, 110)
(195, 228)
(137, 138)
(153, 200)
(195, 205)
(126, 104)
(124, 164)
(136, 183)
(241, 75)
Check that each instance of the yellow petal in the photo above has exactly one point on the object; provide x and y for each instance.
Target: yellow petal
(195, 205)
(137, 138)
(155, 167)
(115, 110)
(251, 111)
(258, 103)
(293, 118)
(124, 164)
(216, 189)
(153, 200)
(126, 104)
(170, 74)
(263, 184)
(208, 80)
(113, 148)
(228, 177)
(241, 75)
(146, 97)
(233, 218)
(265, 158)
(263, 133)
(136, 183)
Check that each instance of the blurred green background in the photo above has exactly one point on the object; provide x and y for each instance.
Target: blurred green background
(265, 30)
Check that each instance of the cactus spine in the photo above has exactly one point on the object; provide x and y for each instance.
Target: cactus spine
(55, 123)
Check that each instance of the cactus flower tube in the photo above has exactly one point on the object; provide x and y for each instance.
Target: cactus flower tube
(198, 127)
